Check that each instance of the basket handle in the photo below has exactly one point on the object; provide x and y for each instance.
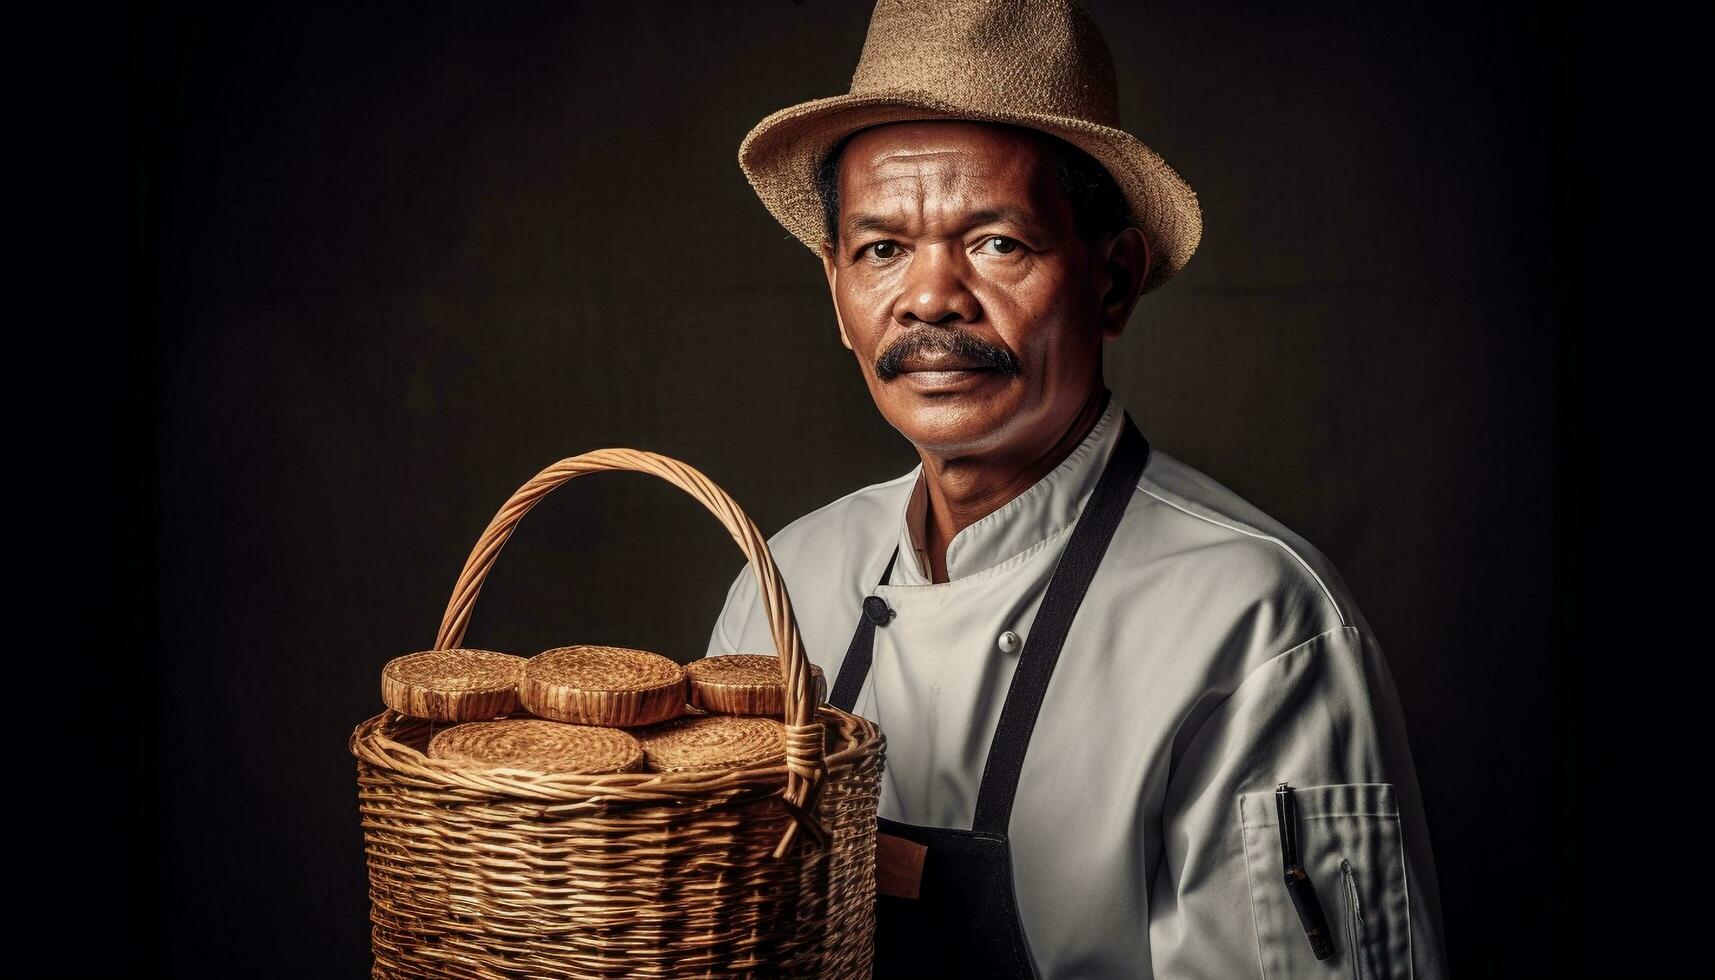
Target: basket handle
(805, 765)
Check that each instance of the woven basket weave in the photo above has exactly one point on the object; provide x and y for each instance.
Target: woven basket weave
(763, 871)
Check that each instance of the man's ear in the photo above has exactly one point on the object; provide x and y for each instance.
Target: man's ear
(832, 271)
(1125, 266)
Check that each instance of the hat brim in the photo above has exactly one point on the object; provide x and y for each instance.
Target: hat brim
(780, 154)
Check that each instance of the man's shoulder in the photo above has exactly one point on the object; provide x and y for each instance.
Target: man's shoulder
(817, 555)
(875, 505)
(1207, 528)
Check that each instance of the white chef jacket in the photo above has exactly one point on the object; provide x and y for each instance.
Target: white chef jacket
(1215, 655)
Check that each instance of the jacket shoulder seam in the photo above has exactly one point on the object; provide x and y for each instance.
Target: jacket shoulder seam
(1327, 593)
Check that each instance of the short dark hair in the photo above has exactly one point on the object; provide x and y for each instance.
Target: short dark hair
(1098, 206)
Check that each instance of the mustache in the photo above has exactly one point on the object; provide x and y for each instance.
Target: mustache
(945, 340)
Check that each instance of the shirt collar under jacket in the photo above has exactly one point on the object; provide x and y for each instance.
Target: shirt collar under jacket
(1050, 504)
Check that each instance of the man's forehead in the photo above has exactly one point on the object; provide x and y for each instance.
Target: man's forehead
(972, 164)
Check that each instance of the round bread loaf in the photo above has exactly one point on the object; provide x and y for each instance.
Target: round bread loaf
(707, 742)
(538, 746)
(453, 685)
(745, 684)
(600, 685)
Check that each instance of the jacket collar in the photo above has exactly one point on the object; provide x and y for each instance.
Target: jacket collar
(1050, 504)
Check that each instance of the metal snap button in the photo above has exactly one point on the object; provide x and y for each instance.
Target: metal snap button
(876, 609)
(1008, 642)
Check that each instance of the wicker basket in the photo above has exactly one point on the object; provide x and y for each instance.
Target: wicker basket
(767, 871)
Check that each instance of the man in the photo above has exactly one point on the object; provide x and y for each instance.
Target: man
(1119, 700)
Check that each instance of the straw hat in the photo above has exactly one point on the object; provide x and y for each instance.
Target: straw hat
(1036, 63)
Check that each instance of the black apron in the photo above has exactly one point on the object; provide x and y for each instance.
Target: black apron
(956, 916)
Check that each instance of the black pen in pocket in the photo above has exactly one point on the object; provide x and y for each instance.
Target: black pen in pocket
(1297, 882)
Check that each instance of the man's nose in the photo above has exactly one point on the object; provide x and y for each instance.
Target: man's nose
(935, 288)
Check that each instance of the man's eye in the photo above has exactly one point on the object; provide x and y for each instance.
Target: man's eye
(1002, 244)
(882, 250)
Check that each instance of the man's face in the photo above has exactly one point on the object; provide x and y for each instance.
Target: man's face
(976, 313)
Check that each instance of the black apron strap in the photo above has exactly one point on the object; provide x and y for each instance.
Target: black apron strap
(855, 667)
(1071, 580)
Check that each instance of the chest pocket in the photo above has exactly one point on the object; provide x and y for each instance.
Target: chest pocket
(1349, 842)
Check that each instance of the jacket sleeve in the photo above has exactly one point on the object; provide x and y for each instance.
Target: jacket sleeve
(1325, 718)
(729, 626)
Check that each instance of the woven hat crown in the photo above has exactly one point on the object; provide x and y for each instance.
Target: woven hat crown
(1046, 57)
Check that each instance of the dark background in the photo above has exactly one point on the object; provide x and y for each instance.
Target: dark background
(389, 262)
